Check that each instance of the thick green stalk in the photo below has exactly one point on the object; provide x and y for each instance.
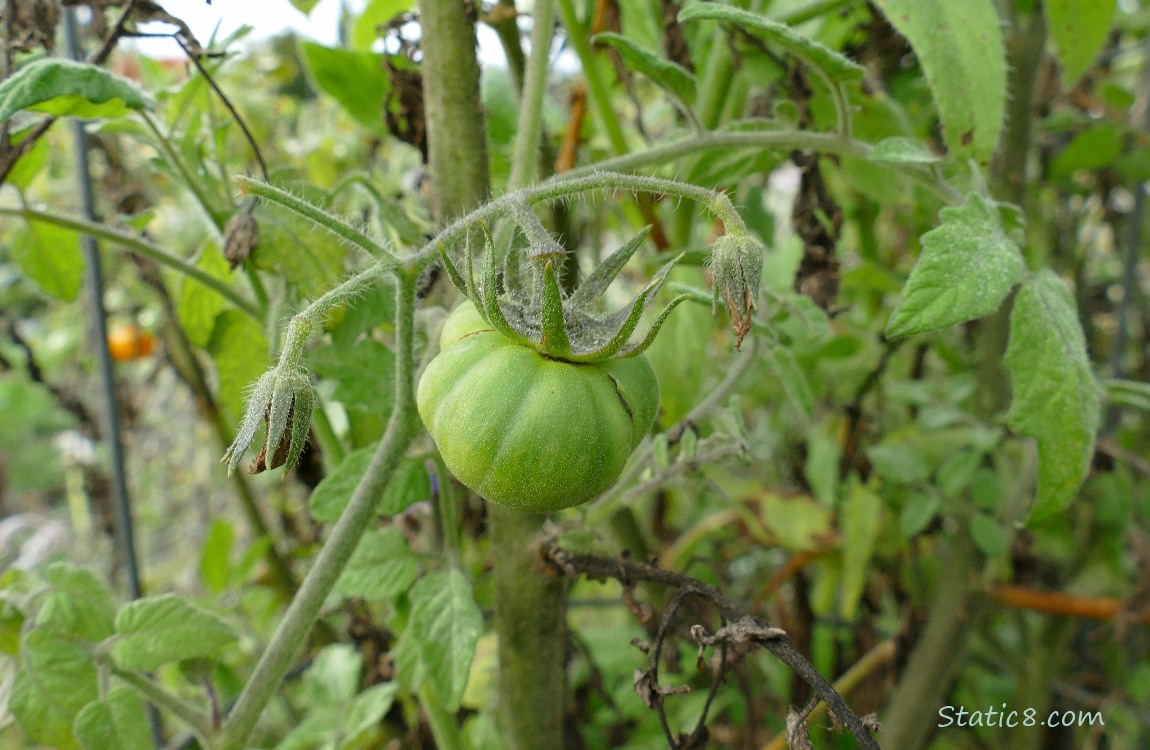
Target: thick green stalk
(456, 138)
(938, 655)
(304, 610)
(141, 246)
(530, 620)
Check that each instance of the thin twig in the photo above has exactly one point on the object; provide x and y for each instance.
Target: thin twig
(195, 58)
(743, 628)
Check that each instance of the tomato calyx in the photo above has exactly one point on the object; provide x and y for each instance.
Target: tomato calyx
(565, 328)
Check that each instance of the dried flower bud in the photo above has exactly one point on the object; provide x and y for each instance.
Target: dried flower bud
(737, 266)
(240, 235)
(282, 400)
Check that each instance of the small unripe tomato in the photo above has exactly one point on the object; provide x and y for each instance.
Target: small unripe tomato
(527, 431)
(128, 342)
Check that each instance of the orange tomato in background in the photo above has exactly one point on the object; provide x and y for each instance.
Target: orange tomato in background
(128, 342)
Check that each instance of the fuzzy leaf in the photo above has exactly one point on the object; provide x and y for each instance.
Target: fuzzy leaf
(968, 265)
(1056, 399)
(382, 567)
(161, 629)
(118, 721)
(671, 77)
(902, 150)
(960, 48)
(834, 65)
(61, 87)
(446, 623)
(78, 604)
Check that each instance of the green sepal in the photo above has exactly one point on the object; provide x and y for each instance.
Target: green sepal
(300, 426)
(452, 270)
(599, 279)
(641, 346)
(488, 301)
(555, 341)
(283, 397)
(470, 288)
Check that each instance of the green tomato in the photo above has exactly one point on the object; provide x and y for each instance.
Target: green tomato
(526, 431)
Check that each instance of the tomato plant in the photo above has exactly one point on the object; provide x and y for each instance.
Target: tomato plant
(875, 353)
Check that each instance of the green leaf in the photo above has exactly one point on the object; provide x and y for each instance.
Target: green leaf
(834, 65)
(58, 679)
(364, 714)
(356, 80)
(861, 516)
(671, 77)
(377, 13)
(119, 721)
(1056, 399)
(305, 6)
(409, 485)
(78, 604)
(31, 163)
(967, 267)
(334, 491)
(240, 353)
(920, 508)
(61, 87)
(987, 535)
(364, 373)
(166, 628)
(960, 48)
(902, 150)
(446, 624)
(215, 557)
(382, 567)
(198, 305)
(798, 523)
(899, 461)
(50, 256)
(333, 677)
(1096, 148)
(791, 377)
(1079, 29)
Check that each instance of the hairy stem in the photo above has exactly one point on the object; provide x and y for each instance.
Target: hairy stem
(304, 610)
(334, 224)
(141, 246)
(191, 716)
